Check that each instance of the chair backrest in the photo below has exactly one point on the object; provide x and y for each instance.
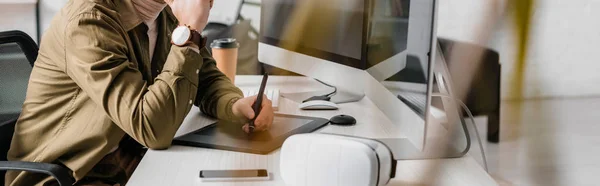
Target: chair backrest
(6, 132)
(18, 52)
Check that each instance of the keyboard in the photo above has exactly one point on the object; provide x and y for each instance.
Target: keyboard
(272, 94)
(416, 101)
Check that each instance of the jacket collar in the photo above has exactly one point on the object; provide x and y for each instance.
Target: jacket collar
(131, 19)
(128, 14)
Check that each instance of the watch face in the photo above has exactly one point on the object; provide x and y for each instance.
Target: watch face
(180, 35)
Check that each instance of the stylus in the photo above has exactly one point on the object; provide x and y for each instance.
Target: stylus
(257, 104)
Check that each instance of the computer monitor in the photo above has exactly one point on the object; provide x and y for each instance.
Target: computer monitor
(327, 42)
(362, 47)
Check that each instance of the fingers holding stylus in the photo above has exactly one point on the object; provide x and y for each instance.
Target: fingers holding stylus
(264, 120)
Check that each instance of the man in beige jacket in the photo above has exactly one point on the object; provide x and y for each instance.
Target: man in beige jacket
(109, 78)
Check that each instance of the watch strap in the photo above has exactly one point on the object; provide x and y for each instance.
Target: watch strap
(197, 39)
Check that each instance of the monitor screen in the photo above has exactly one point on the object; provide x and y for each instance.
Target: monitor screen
(389, 30)
(398, 49)
(333, 30)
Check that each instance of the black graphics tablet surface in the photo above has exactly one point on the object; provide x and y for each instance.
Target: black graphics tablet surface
(229, 136)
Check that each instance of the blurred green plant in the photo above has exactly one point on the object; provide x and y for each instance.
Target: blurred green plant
(521, 12)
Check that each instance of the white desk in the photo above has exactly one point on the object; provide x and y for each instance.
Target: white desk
(180, 165)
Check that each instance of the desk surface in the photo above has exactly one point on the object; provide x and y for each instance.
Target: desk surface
(180, 165)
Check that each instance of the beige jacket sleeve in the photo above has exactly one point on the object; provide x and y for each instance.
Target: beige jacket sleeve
(216, 93)
(96, 59)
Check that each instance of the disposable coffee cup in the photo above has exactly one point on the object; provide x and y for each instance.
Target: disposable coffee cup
(225, 53)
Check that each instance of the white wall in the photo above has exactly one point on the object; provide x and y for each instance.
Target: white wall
(18, 15)
(564, 48)
(252, 13)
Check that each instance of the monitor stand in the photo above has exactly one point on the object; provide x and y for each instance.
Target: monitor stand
(344, 96)
(455, 143)
(341, 95)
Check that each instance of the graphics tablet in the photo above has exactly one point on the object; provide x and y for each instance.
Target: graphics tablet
(229, 136)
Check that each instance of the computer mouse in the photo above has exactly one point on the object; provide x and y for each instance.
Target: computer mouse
(342, 120)
(318, 105)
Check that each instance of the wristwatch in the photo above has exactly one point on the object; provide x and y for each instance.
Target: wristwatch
(183, 36)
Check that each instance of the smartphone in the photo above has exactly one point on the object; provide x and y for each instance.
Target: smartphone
(234, 175)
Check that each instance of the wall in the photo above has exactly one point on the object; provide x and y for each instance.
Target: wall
(562, 61)
(253, 13)
(18, 15)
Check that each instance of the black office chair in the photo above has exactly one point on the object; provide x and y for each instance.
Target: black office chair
(484, 96)
(15, 48)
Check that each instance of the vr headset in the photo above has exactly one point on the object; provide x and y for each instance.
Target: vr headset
(335, 160)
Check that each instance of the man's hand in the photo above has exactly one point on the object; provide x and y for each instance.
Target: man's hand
(193, 13)
(243, 109)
